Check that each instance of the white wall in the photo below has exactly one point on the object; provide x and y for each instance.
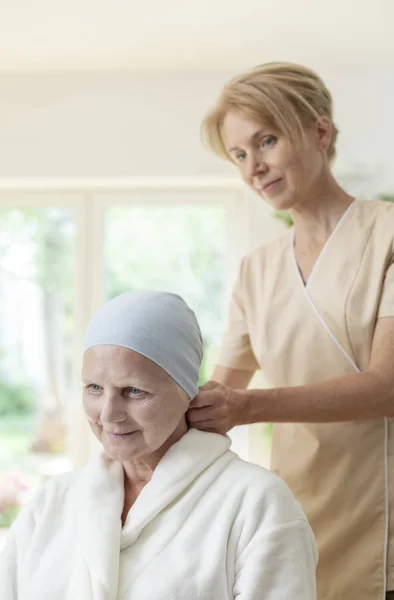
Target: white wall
(105, 125)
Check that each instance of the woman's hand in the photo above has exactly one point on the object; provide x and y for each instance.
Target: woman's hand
(216, 408)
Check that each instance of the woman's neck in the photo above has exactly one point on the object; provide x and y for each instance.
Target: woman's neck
(319, 213)
(138, 472)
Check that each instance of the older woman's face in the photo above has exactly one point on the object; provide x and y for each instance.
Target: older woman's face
(271, 165)
(132, 405)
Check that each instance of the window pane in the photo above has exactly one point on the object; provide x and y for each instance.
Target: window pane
(36, 324)
(175, 248)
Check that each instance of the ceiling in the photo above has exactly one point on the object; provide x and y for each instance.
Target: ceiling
(48, 35)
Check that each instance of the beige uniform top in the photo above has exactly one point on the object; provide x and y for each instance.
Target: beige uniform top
(297, 334)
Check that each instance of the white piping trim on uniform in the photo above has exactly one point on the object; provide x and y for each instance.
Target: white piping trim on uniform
(386, 502)
(386, 467)
(357, 369)
(322, 321)
(330, 333)
(323, 251)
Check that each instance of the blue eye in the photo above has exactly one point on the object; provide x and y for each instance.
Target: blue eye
(94, 387)
(267, 141)
(240, 157)
(134, 391)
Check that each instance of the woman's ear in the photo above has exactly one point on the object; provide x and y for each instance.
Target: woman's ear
(324, 132)
(185, 399)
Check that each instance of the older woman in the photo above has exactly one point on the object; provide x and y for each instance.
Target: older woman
(162, 512)
(314, 310)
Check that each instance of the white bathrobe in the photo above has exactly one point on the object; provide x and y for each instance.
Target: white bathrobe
(208, 526)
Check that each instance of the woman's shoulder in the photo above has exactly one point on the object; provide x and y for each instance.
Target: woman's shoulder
(278, 244)
(375, 207)
(255, 476)
(43, 509)
(269, 253)
(54, 493)
(378, 212)
(264, 491)
(60, 484)
(373, 221)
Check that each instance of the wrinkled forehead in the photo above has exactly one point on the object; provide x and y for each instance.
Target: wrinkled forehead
(107, 361)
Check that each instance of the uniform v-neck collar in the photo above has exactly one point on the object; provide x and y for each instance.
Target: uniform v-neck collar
(307, 283)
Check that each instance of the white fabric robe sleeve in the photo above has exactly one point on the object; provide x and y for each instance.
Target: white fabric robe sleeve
(8, 570)
(276, 550)
(18, 544)
(18, 539)
(267, 544)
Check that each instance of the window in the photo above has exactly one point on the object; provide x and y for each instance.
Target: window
(37, 298)
(61, 254)
(177, 248)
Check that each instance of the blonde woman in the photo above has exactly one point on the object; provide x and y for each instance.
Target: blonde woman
(315, 311)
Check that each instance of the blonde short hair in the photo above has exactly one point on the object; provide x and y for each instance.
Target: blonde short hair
(283, 96)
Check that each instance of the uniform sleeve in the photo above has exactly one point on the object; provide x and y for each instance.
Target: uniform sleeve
(276, 560)
(235, 350)
(386, 306)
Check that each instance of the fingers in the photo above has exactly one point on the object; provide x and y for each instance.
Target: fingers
(194, 415)
(209, 385)
(203, 398)
(212, 419)
(209, 426)
(200, 401)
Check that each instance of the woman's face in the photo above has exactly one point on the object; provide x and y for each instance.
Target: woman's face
(271, 165)
(133, 407)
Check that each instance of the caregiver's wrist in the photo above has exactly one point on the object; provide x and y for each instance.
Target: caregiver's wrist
(244, 411)
(254, 406)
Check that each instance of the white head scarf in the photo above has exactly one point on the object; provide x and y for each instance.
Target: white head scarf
(158, 325)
